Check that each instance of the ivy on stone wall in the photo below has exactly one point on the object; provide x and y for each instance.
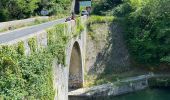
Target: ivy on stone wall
(57, 41)
(29, 77)
(32, 44)
(79, 27)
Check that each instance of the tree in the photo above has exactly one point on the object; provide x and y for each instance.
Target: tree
(54, 6)
(17, 8)
(148, 31)
(102, 6)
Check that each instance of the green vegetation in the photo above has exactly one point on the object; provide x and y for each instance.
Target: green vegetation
(30, 77)
(147, 27)
(148, 31)
(97, 20)
(100, 19)
(79, 27)
(103, 7)
(55, 6)
(57, 40)
(18, 9)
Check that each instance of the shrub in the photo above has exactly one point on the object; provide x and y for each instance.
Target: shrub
(148, 30)
(4, 15)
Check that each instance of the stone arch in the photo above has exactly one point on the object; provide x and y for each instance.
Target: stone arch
(75, 68)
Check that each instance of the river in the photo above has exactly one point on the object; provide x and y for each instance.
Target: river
(148, 94)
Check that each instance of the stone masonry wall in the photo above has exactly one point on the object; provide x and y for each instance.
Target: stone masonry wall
(60, 72)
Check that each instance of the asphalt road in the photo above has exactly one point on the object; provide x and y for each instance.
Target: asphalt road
(18, 33)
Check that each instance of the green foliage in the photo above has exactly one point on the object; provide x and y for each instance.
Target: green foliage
(147, 27)
(4, 15)
(57, 40)
(55, 6)
(79, 27)
(148, 31)
(18, 9)
(11, 83)
(20, 48)
(101, 7)
(97, 20)
(32, 44)
(166, 59)
(100, 19)
(118, 8)
(122, 10)
(30, 77)
(25, 77)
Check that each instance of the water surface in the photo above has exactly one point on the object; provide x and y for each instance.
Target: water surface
(148, 94)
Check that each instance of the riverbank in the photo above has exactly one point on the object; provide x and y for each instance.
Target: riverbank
(121, 87)
(146, 94)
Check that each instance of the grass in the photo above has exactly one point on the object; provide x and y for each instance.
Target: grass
(95, 22)
(100, 19)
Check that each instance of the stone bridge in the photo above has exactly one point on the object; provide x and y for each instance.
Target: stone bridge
(67, 75)
(71, 77)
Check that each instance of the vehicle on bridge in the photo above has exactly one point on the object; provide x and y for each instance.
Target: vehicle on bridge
(68, 19)
(84, 12)
(72, 17)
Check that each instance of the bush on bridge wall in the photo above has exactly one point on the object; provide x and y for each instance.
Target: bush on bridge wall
(30, 77)
(25, 77)
(79, 27)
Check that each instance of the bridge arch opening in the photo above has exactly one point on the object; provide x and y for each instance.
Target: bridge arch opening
(75, 68)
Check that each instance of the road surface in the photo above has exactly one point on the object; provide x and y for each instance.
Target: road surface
(18, 33)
